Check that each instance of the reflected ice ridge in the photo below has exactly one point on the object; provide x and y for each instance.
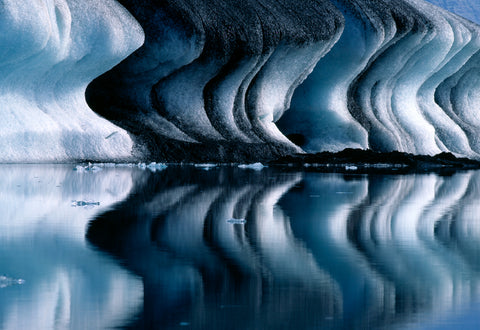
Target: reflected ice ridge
(315, 250)
(308, 250)
(52, 279)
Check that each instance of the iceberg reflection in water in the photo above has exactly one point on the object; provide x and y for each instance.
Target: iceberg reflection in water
(51, 279)
(308, 250)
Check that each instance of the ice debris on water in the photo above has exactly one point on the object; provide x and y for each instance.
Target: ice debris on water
(153, 166)
(237, 221)
(255, 166)
(85, 204)
(206, 167)
(87, 168)
(8, 281)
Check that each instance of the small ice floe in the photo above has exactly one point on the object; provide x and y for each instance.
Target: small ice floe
(206, 167)
(122, 165)
(8, 281)
(255, 166)
(87, 168)
(234, 221)
(153, 166)
(85, 204)
(351, 168)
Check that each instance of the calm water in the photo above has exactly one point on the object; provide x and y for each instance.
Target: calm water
(129, 248)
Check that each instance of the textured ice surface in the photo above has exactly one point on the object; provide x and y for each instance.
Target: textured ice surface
(214, 81)
(223, 80)
(50, 51)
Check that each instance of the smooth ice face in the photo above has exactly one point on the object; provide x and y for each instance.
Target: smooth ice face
(50, 51)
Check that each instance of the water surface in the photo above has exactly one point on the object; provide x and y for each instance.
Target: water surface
(237, 248)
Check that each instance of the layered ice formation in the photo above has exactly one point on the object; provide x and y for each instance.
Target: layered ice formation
(214, 80)
(50, 51)
(223, 80)
(214, 76)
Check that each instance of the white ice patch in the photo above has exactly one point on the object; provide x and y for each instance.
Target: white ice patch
(254, 166)
(50, 51)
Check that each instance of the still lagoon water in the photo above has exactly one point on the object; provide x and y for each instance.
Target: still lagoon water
(229, 248)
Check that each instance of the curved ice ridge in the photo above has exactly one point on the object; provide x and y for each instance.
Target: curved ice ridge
(50, 51)
(214, 79)
(401, 78)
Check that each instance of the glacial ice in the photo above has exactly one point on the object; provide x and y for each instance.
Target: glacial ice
(255, 166)
(223, 80)
(50, 51)
(223, 84)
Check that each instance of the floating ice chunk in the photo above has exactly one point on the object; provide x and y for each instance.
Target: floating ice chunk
(237, 221)
(128, 165)
(87, 168)
(85, 204)
(7, 281)
(255, 166)
(206, 167)
(153, 166)
(79, 168)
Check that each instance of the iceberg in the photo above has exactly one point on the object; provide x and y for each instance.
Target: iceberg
(223, 81)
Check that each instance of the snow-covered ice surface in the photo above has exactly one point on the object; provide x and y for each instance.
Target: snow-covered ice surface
(49, 52)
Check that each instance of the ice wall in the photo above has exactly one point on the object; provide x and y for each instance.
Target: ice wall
(214, 76)
(396, 80)
(215, 80)
(50, 50)
(236, 81)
